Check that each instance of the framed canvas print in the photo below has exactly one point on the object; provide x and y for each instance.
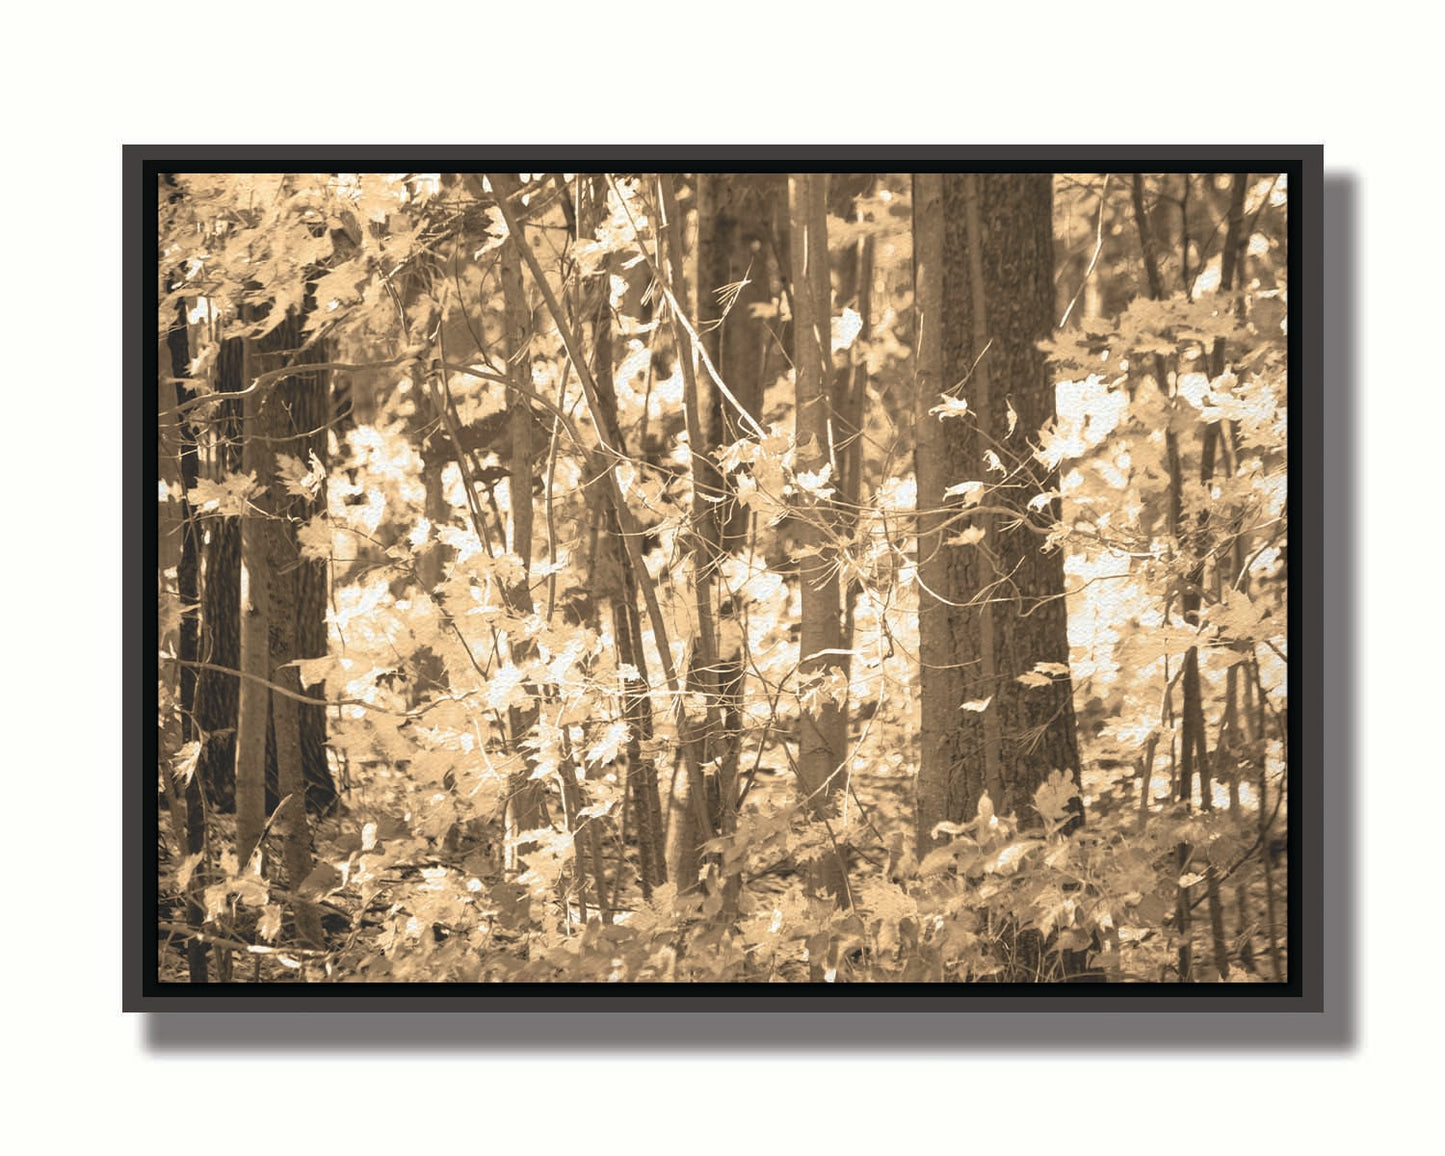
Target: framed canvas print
(736, 579)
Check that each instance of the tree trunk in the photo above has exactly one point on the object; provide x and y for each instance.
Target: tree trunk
(684, 857)
(736, 212)
(188, 651)
(217, 690)
(823, 721)
(735, 223)
(302, 417)
(252, 713)
(992, 610)
(850, 380)
(293, 419)
(618, 586)
(526, 809)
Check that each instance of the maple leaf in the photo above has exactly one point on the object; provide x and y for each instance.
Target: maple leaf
(596, 810)
(230, 497)
(187, 869)
(269, 925)
(951, 407)
(183, 763)
(505, 689)
(314, 670)
(299, 479)
(605, 749)
(971, 491)
(966, 538)
(815, 483)
(1052, 798)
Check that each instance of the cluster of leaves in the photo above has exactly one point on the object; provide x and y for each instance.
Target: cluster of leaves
(996, 903)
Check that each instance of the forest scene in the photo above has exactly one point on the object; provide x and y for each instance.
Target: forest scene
(722, 577)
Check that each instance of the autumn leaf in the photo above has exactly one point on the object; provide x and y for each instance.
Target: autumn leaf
(1052, 798)
(815, 484)
(316, 670)
(505, 688)
(966, 537)
(951, 407)
(605, 749)
(314, 538)
(268, 926)
(187, 869)
(231, 497)
(971, 492)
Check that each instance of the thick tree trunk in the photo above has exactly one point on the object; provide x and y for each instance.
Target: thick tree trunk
(990, 611)
(736, 213)
(217, 691)
(302, 419)
(293, 420)
(735, 225)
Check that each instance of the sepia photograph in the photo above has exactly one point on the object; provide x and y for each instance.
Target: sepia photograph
(747, 576)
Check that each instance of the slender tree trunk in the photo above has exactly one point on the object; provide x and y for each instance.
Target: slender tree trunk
(286, 723)
(526, 807)
(939, 681)
(188, 650)
(255, 657)
(850, 382)
(706, 675)
(823, 722)
(644, 798)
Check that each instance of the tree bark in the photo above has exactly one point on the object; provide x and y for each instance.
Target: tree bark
(992, 610)
(850, 380)
(219, 642)
(252, 713)
(188, 650)
(735, 225)
(823, 721)
(526, 807)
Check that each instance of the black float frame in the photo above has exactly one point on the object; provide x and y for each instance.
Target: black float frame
(1313, 780)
